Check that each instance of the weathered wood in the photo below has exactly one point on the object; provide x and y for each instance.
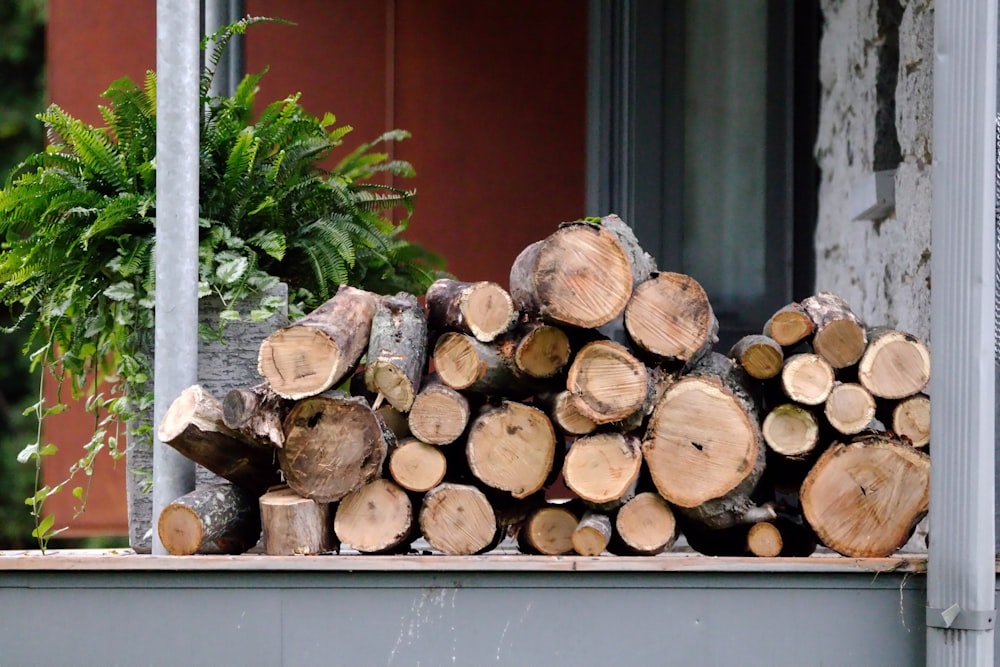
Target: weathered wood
(644, 526)
(417, 466)
(850, 408)
(608, 383)
(909, 418)
(295, 526)
(791, 430)
(217, 519)
(807, 378)
(482, 309)
(322, 348)
(564, 414)
(397, 349)
(379, 517)
(194, 426)
(256, 412)
(703, 446)
(602, 468)
(840, 335)
(790, 325)
(334, 443)
(457, 519)
(759, 355)
(511, 447)
(865, 498)
(895, 364)
(592, 534)
(440, 414)
(540, 350)
(670, 316)
(548, 530)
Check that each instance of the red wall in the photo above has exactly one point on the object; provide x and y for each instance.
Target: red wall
(493, 92)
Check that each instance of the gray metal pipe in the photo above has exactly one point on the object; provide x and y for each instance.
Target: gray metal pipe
(961, 566)
(219, 13)
(175, 365)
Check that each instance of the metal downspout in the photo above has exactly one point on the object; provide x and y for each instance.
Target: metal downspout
(961, 570)
(175, 365)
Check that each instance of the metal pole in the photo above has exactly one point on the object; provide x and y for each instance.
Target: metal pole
(175, 365)
(219, 13)
(960, 578)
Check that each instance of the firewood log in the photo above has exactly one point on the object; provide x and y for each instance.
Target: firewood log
(194, 426)
(840, 335)
(334, 443)
(790, 325)
(377, 518)
(417, 466)
(894, 365)
(466, 364)
(791, 430)
(295, 526)
(256, 412)
(539, 350)
(548, 530)
(850, 408)
(482, 309)
(909, 418)
(397, 350)
(458, 520)
(670, 316)
(703, 446)
(807, 378)
(512, 448)
(644, 526)
(602, 468)
(321, 349)
(759, 355)
(563, 412)
(215, 519)
(592, 534)
(439, 414)
(608, 383)
(865, 498)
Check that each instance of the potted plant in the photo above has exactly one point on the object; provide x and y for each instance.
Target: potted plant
(78, 219)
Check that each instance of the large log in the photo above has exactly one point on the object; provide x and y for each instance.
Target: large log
(216, 519)
(548, 530)
(256, 412)
(850, 408)
(334, 444)
(482, 309)
(397, 350)
(511, 448)
(295, 526)
(194, 426)
(670, 316)
(703, 446)
(865, 498)
(440, 414)
(602, 468)
(894, 365)
(377, 518)
(608, 383)
(458, 520)
(840, 335)
(790, 325)
(417, 466)
(322, 348)
(644, 526)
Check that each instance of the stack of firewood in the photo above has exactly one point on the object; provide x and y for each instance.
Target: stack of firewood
(384, 419)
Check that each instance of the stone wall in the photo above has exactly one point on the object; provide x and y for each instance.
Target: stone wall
(876, 59)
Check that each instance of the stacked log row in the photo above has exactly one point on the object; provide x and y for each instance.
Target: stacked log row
(381, 419)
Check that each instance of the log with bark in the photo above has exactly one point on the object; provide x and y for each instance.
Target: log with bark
(895, 364)
(644, 526)
(850, 408)
(256, 412)
(670, 316)
(397, 350)
(790, 325)
(482, 309)
(791, 430)
(592, 534)
(759, 355)
(548, 530)
(216, 519)
(602, 469)
(295, 526)
(807, 378)
(539, 350)
(608, 383)
(564, 414)
(440, 414)
(377, 518)
(457, 519)
(512, 448)
(466, 364)
(322, 348)
(840, 335)
(909, 418)
(417, 466)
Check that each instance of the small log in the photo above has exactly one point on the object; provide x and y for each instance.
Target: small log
(397, 350)
(909, 418)
(790, 325)
(791, 430)
(334, 444)
(608, 383)
(540, 350)
(377, 518)
(417, 466)
(216, 519)
(466, 364)
(564, 415)
(396, 421)
(295, 526)
(840, 336)
(644, 526)
(592, 534)
(481, 309)
(760, 356)
(256, 412)
(602, 468)
(548, 530)
(894, 365)
(458, 520)
(764, 540)
(321, 349)
(850, 408)
(703, 446)
(512, 448)
(440, 414)
(670, 316)
(194, 426)
(865, 498)
(807, 378)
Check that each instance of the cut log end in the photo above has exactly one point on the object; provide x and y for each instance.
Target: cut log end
(439, 414)
(645, 526)
(790, 326)
(299, 361)
(512, 448)
(601, 468)
(608, 383)
(911, 419)
(295, 526)
(592, 534)
(542, 352)
(669, 315)
(417, 466)
(807, 378)
(488, 310)
(849, 408)
(548, 531)
(791, 430)
(895, 365)
(377, 518)
(458, 520)
(760, 356)
(764, 540)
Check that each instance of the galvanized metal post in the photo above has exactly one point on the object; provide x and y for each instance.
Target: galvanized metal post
(219, 13)
(175, 364)
(960, 581)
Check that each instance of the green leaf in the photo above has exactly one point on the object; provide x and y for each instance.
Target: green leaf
(120, 291)
(231, 269)
(230, 315)
(78, 492)
(41, 531)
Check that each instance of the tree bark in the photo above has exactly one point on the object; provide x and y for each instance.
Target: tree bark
(840, 336)
(670, 316)
(608, 383)
(194, 426)
(644, 526)
(790, 325)
(864, 499)
(592, 534)
(256, 412)
(417, 466)
(217, 519)
(511, 448)
(458, 520)
(548, 530)
(334, 444)
(807, 378)
(482, 309)
(321, 349)
(791, 430)
(759, 355)
(377, 518)
(295, 526)
(440, 414)
(850, 408)
(894, 365)
(397, 350)
(602, 468)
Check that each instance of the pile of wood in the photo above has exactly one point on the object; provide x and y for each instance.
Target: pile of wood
(462, 417)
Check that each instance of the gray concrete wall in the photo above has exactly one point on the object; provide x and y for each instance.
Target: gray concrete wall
(875, 113)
